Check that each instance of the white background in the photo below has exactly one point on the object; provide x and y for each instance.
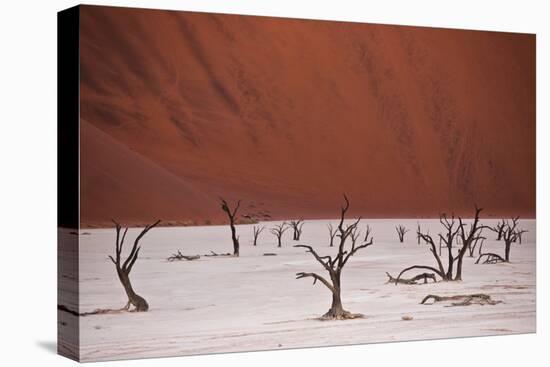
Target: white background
(28, 181)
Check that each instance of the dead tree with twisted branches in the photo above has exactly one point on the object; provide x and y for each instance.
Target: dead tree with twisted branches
(256, 233)
(278, 232)
(123, 268)
(401, 230)
(467, 237)
(509, 235)
(296, 226)
(452, 229)
(335, 265)
(232, 215)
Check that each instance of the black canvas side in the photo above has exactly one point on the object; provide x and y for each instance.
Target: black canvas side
(68, 182)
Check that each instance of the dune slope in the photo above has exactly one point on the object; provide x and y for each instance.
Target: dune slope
(288, 114)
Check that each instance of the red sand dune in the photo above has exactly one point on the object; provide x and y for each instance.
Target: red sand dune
(179, 108)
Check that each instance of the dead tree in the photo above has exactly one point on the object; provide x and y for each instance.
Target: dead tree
(278, 232)
(232, 214)
(418, 230)
(257, 230)
(332, 232)
(335, 265)
(467, 237)
(509, 236)
(297, 225)
(368, 230)
(123, 268)
(452, 229)
(499, 229)
(401, 230)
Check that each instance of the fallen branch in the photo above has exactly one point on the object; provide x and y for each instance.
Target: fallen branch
(212, 254)
(491, 258)
(98, 311)
(413, 280)
(463, 300)
(179, 256)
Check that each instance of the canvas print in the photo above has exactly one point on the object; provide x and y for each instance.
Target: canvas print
(235, 183)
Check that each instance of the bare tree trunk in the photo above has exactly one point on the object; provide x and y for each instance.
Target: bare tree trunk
(231, 214)
(256, 232)
(336, 310)
(507, 252)
(124, 268)
(297, 227)
(139, 302)
(509, 236)
(334, 265)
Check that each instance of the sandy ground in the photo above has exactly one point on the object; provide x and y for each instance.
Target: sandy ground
(254, 302)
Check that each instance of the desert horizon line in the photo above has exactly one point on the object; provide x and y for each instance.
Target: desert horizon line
(183, 223)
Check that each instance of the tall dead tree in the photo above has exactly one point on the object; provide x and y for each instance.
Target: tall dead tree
(418, 230)
(278, 232)
(452, 229)
(256, 232)
(467, 237)
(332, 233)
(123, 268)
(401, 230)
(296, 226)
(232, 214)
(335, 265)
